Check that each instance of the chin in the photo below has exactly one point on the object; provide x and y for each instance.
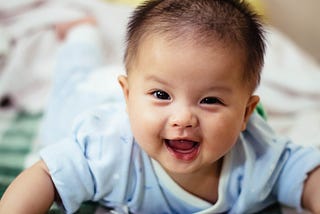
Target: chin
(178, 168)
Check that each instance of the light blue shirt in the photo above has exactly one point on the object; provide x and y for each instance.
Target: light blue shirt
(102, 162)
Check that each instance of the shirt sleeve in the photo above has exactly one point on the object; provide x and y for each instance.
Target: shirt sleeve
(83, 166)
(285, 165)
(301, 161)
(73, 183)
(267, 168)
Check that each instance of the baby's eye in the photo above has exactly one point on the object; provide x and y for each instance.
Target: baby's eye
(161, 95)
(211, 101)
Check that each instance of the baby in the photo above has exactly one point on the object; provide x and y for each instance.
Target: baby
(187, 139)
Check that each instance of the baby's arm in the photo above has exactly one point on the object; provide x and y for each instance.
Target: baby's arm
(31, 192)
(311, 192)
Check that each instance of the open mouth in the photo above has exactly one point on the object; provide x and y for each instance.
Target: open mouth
(186, 150)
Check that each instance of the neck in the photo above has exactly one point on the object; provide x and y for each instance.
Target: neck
(203, 184)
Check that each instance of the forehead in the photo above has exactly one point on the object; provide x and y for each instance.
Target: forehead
(185, 36)
(208, 53)
(182, 59)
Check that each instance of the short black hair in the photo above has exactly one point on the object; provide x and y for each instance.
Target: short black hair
(233, 22)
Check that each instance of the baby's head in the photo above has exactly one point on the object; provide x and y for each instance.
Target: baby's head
(192, 66)
(228, 23)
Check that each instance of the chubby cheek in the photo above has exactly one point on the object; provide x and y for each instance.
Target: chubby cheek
(221, 137)
(146, 127)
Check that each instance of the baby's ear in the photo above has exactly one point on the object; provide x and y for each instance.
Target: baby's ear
(123, 81)
(251, 106)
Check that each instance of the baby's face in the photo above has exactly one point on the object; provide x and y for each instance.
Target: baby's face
(186, 103)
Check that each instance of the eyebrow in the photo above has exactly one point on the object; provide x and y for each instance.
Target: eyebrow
(156, 79)
(220, 88)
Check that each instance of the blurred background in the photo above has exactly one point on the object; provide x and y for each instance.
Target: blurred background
(297, 19)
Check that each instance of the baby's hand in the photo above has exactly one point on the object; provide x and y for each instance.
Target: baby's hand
(63, 28)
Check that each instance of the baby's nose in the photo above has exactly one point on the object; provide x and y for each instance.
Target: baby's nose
(184, 118)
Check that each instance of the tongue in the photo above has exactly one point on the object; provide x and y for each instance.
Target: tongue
(181, 144)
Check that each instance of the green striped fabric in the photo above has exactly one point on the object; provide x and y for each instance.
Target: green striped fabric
(16, 136)
(260, 110)
(17, 133)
